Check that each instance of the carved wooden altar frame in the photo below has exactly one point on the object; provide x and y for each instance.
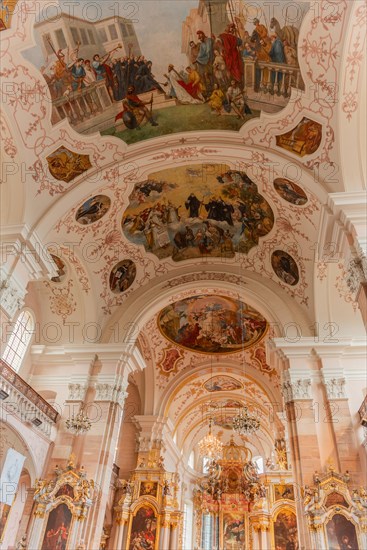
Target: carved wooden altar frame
(281, 506)
(147, 502)
(332, 511)
(60, 500)
(245, 518)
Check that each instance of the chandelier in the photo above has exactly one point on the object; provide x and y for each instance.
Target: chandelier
(245, 423)
(78, 424)
(210, 446)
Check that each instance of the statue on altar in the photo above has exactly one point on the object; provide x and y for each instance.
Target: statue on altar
(22, 543)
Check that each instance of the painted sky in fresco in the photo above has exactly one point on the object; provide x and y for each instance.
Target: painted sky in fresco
(158, 23)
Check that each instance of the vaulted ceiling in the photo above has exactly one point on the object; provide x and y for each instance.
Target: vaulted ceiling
(135, 226)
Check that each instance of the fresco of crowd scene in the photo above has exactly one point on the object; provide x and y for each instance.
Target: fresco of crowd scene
(215, 73)
(185, 217)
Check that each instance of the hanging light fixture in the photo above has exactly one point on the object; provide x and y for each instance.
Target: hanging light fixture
(78, 424)
(210, 446)
(245, 423)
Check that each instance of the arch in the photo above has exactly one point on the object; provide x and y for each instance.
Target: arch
(260, 292)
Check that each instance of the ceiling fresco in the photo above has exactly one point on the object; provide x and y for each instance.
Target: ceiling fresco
(197, 210)
(66, 165)
(222, 383)
(122, 276)
(93, 209)
(303, 139)
(212, 324)
(7, 9)
(285, 267)
(193, 395)
(202, 68)
(290, 191)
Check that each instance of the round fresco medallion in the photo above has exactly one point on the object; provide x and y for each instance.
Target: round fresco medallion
(290, 192)
(122, 276)
(285, 267)
(93, 209)
(61, 269)
(212, 324)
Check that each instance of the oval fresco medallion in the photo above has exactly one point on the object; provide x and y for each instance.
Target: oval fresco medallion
(290, 192)
(197, 210)
(212, 324)
(93, 209)
(285, 267)
(61, 269)
(122, 276)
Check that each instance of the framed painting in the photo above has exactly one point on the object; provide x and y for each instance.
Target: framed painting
(148, 488)
(4, 514)
(57, 528)
(285, 530)
(233, 531)
(283, 490)
(144, 529)
(341, 533)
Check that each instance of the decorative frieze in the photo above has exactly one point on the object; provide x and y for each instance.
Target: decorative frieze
(77, 392)
(299, 389)
(335, 388)
(111, 392)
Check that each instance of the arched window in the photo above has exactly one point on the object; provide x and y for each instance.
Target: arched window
(19, 340)
(191, 461)
(259, 461)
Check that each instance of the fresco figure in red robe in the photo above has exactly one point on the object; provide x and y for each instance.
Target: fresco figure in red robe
(231, 53)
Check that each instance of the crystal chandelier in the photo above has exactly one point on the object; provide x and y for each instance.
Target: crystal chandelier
(210, 446)
(245, 423)
(79, 424)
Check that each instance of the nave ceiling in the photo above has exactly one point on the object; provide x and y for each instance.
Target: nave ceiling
(118, 238)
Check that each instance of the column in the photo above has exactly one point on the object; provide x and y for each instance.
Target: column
(164, 537)
(264, 537)
(121, 527)
(109, 380)
(36, 531)
(298, 366)
(255, 533)
(338, 415)
(173, 543)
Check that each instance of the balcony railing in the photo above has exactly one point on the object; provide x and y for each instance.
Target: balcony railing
(20, 399)
(79, 106)
(271, 83)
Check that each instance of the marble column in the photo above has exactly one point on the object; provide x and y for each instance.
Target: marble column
(173, 544)
(121, 527)
(109, 381)
(36, 532)
(298, 366)
(338, 415)
(164, 536)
